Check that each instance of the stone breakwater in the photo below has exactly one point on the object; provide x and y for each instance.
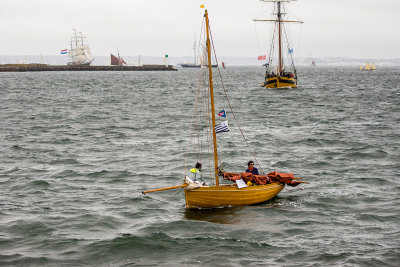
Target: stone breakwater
(45, 67)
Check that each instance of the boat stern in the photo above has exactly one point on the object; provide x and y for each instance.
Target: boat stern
(280, 82)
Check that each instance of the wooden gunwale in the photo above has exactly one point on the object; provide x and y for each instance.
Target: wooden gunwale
(233, 189)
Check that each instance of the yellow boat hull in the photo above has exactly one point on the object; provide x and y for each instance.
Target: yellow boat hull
(219, 196)
(280, 82)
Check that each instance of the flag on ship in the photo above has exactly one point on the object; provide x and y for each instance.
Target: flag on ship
(64, 51)
(263, 57)
(222, 127)
(222, 113)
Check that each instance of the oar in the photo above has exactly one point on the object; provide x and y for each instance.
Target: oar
(164, 188)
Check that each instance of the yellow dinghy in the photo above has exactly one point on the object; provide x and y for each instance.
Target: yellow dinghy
(227, 195)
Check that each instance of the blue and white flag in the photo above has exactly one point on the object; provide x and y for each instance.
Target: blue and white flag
(290, 50)
(223, 127)
(222, 113)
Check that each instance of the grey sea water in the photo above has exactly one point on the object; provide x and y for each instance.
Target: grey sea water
(78, 148)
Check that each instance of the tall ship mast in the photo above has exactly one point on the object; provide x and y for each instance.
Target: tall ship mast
(80, 52)
(277, 75)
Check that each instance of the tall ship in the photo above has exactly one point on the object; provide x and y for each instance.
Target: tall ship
(279, 75)
(79, 52)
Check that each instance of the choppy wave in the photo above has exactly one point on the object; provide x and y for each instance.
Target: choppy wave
(79, 148)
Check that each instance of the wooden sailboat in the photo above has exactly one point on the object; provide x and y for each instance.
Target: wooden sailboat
(117, 61)
(192, 65)
(196, 64)
(199, 195)
(276, 75)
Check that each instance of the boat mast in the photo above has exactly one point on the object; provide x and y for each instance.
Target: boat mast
(81, 38)
(76, 39)
(212, 100)
(194, 48)
(76, 46)
(70, 52)
(280, 36)
(280, 21)
(119, 58)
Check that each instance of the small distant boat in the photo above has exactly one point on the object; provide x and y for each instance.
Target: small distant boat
(248, 188)
(197, 63)
(80, 52)
(276, 75)
(183, 65)
(368, 66)
(117, 61)
(313, 63)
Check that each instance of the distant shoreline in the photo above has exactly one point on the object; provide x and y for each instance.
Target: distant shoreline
(175, 61)
(45, 67)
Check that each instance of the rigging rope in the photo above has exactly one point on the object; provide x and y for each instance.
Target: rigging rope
(258, 42)
(271, 51)
(194, 121)
(200, 114)
(229, 103)
(272, 46)
(288, 48)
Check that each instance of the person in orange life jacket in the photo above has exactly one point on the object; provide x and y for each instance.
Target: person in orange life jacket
(251, 168)
(196, 173)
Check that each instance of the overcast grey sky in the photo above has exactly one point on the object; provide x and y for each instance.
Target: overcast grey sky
(332, 28)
